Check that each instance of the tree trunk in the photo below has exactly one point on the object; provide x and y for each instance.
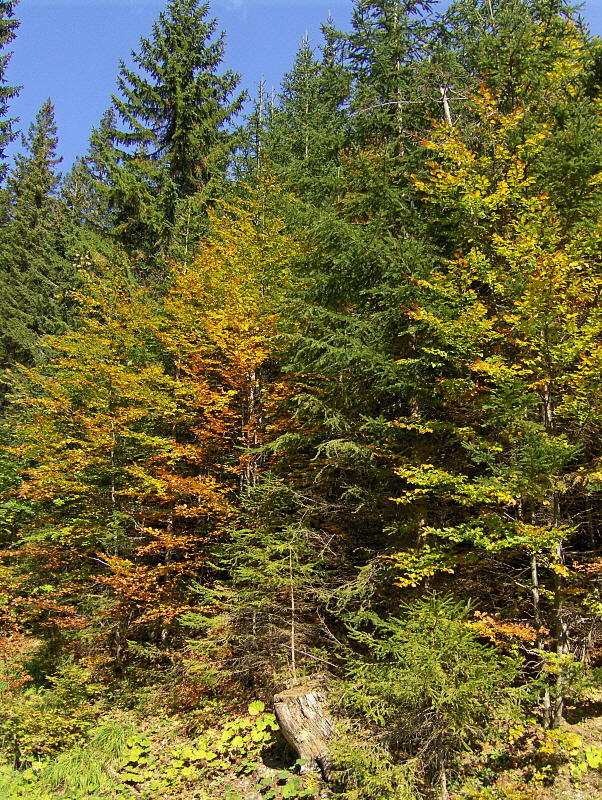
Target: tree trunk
(305, 725)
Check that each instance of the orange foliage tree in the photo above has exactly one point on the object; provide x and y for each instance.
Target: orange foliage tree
(135, 437)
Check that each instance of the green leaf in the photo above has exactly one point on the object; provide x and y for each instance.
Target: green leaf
(593, 756)
(291, 788)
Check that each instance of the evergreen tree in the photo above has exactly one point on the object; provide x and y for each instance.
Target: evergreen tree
(35, 273)
(249, 162)
(308, 129)
(8, 28)
(388, 41)
(86, 187)
(173, 144)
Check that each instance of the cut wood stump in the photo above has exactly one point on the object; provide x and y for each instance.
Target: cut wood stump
(301, 714)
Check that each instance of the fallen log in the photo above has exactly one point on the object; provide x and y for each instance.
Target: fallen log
(301, 714)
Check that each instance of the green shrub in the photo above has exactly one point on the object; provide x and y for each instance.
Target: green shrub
(39, 722)
(365, 769)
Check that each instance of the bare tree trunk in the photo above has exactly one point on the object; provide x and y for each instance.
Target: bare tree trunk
(259, 130)
(446, 106)
(252, 418)
(547, 700)
(305, 725)
(293, 616)
(443, 784)
(562, 641)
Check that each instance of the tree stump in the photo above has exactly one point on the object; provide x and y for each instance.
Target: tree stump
(305, 725)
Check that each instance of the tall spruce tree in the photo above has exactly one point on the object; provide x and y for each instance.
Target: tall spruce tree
(8, 28)
(35, 273)
(86, 188)
(173, 142)
(249, 162)
(387, 42)
(308, 129)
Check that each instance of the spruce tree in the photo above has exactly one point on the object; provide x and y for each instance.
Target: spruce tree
(249, 161)
(172, 141)
(85, 189)
(8, 28)
(309, 128)
(35, 273)
(387, 42)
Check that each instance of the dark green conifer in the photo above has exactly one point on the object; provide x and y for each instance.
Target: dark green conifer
(172, 141)
(249, 163)
(86, 187)
(33, 268)
(8, 29)
(308, 129)
(388, 41)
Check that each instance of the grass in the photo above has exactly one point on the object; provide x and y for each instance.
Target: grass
(84, 771)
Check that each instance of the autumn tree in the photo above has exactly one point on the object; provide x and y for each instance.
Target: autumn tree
(515, 312)
(134, 436)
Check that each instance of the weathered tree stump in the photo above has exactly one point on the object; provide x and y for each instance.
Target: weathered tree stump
(305, 725)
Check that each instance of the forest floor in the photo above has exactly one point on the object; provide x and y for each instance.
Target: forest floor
(589, 785)
(214, 753)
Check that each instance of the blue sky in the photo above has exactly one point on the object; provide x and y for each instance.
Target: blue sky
(69, 49)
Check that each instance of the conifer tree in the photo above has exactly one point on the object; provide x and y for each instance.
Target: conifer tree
(387, 42)
(249, 161)
(511, 41)
(171, 139)
(35, 273)
(308, 129)
(8, 28)
(86, 187)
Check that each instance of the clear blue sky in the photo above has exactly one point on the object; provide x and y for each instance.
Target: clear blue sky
(69, 49)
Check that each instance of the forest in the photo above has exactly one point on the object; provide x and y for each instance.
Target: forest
(301, 418)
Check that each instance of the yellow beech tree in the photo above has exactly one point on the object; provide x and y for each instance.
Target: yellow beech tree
(511, 483)
(136, 438)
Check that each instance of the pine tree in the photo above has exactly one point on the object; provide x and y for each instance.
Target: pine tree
(8, 28)
(35, 275)
(351, 346)
(174, 143)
